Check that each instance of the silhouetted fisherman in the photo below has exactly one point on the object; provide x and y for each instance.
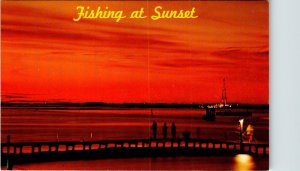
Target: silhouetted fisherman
(165, 129)
(154, 129)
(173, 130)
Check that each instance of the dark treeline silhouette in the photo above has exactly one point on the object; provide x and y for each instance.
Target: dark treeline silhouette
(126, 105)
(102, 104)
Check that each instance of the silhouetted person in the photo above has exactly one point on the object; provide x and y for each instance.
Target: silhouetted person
(154, 129)
(165, 129)
(173, 130)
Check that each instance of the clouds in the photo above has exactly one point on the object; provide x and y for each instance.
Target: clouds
(257, 53)
(44, 52)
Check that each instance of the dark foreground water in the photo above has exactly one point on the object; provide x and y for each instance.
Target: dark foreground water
(25, 125)
(238, 162)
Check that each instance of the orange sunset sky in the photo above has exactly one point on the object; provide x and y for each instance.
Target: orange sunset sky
(46, 56)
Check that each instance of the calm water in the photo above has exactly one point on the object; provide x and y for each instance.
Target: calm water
(238, 162)
(73, 124)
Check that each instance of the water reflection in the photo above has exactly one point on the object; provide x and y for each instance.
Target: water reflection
(243, 162)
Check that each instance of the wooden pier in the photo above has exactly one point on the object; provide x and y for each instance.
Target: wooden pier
(72, 150)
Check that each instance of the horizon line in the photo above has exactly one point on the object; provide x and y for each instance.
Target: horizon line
(123, 103)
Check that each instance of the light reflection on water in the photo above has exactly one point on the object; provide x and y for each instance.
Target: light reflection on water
(243, 162)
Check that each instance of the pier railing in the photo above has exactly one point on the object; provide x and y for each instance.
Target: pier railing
(64, 146)
(126, 148)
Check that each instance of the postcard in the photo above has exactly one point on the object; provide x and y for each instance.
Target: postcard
(135, 85)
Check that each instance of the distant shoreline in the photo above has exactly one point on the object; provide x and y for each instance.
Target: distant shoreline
(101, 105)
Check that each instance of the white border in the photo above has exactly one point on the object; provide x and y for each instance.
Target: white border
(285, 85)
